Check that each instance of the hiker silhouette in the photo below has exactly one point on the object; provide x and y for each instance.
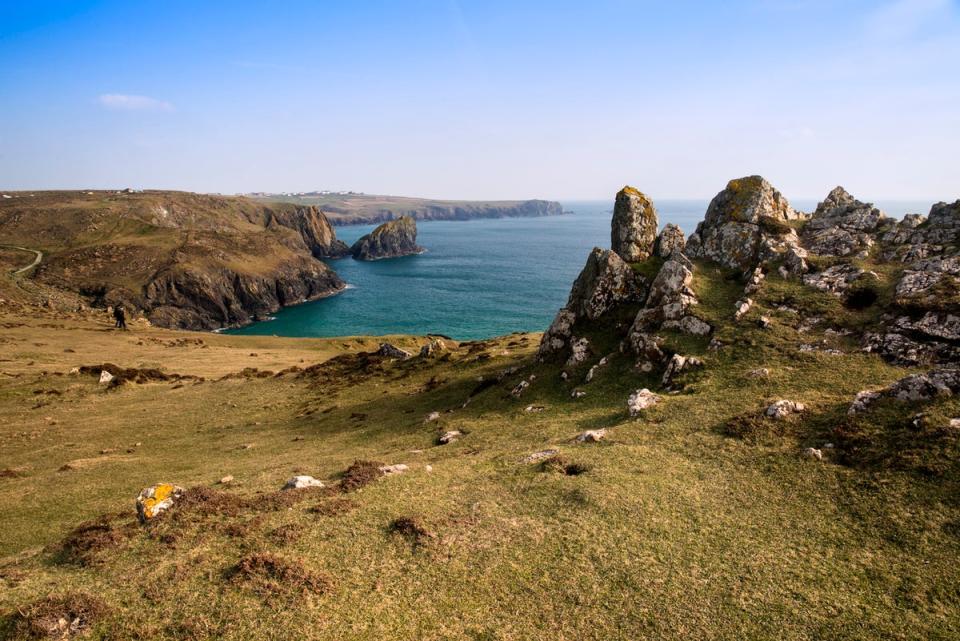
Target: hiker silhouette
(120, 316)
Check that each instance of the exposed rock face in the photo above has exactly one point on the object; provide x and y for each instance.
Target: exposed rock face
(187, 297)
(842, 226)
(670, 240)
(916, 238)
(605, 282)
(313, 227)
(390, 240)
(743, 224)
(943, 381)
(668, 306)
(634, 227)
(392, 351)
(838, 278)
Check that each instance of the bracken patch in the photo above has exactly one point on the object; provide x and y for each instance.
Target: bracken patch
(360, 474)
(333, 507)
(83, 544)
(270, 574)
(63, 616)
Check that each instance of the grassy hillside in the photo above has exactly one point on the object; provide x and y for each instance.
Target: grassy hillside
(688, 522)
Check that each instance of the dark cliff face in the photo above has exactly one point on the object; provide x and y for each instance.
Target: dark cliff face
(186, 298)
(389, 240)
(314, 228)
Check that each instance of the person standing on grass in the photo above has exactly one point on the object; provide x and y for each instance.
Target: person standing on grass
(120, 316)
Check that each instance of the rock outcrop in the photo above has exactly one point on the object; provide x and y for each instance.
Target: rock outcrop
(314, 228)
(605, 282)
(842, 226)
(670, 241)
(390, 240)
(633, 231)
(744, 224)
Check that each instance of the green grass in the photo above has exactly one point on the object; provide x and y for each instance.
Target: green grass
(676, 531)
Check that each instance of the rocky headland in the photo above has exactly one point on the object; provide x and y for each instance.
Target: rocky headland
(185, 260)
(392, 239)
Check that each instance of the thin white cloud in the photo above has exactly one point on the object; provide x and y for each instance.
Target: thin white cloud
(125, 102)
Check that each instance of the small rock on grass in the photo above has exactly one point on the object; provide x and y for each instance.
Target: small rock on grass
(105, 377)
(432, 416)
(302, 481)
(398, 468)
(534, 408)
(450, 436)
(781, 409)
(540, 456)
(813, 453)
(226, 480)
(641, 400)
(592, 436)
(577, 393)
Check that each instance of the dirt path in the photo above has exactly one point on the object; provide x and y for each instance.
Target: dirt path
(36, 260)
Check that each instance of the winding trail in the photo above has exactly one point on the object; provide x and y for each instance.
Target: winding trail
(36, 260)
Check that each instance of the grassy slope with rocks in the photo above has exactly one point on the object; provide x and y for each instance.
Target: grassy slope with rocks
(676, 530)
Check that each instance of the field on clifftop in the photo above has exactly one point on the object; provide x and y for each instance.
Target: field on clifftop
(686, 522)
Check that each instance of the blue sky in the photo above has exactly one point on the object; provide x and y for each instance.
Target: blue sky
(489, 99)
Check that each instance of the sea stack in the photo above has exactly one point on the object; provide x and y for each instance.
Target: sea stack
(390, 240)
(634, 226)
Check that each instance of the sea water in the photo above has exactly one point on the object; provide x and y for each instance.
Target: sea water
(478, 278)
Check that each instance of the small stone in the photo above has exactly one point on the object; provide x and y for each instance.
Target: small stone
(540, 456)
(432, 416)
(398, 468)
(450, 436)
(74, 371)
(577, 393)
(534, 408)
(813, 453)
(105, 377)
(298, 482)
(592, 436)
(226, 480)
(518, 390)
(741, 307)
(955, 423)
(641, 400)
(761, 372)
(764, 322)
(428, 468)
(392, 351)
(781, 409)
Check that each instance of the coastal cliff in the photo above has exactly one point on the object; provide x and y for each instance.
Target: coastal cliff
(187, 261)
(390, 240)
(364, 209)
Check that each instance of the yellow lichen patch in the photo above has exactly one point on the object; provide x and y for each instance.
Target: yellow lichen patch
(156, 499)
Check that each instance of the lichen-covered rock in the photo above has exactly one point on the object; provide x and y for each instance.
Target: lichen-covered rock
(839, 278)
(741, 307)
(676, 366)
(738, 219)
(579, 352)
(641, 400)
(669, 299)
(842, 226)
(542, 455)
(397, 468)
(157, 498)
(634, 227)
(936, 383)
(519, 389)
(898, 348)
(605, 282)
(106, 377)
(670, 241)
(753, 283)
(558, 335)
(301, 481)
(783, 408)
(390, 240)
(930, 283)
(689, 325)
(392, 351)
(916, 238)
(434, 348)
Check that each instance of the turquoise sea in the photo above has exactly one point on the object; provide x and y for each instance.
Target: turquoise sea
(478, 278)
